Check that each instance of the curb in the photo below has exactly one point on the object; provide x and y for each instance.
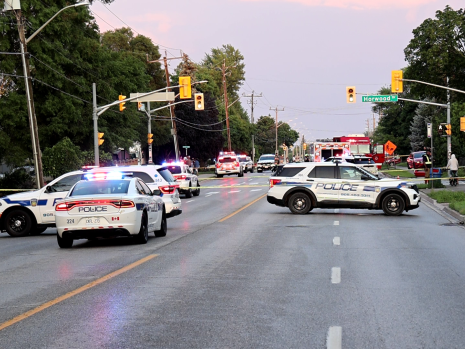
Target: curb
(443, 207)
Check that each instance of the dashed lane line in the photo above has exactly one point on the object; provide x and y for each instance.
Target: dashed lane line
(189, 201)
(337, 241)
(336, 222)
(336, 275)
(334, 339)
(256, 189)
(234, 191)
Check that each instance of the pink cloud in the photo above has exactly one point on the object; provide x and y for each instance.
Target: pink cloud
(356, 4)
(162, 21)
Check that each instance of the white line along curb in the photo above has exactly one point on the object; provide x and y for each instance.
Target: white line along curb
(334, 339)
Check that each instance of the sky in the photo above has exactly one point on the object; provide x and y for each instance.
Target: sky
(299, 54)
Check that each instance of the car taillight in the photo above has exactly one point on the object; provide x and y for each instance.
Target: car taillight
(273, 182)
(236, 164)
(168, 189)
(180, 176)
(66, 206)
(218, 165)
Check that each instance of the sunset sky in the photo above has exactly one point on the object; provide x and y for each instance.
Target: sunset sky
(301, 54)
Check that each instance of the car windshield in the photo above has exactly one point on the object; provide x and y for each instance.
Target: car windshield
(417, 155)
(267, 158)
(242, 158)
(113, 186)
(175, 169)
(225, 160)
(166, 174)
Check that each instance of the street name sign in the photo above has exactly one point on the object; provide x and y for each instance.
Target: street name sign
(379, 98)
(186, 146)
(154, 97)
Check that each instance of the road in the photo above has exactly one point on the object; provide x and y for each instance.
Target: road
(261, 278)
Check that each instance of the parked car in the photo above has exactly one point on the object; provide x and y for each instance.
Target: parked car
(415, 160)
(246, 163)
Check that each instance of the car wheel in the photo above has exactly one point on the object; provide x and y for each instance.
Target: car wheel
(259, 171)
(18, 223)
(189, 191)
(143, 235)
(240, 174)
(219, 176)
(393, 205)
(300, 203)
(197, 191)
(245, 170)
(408, 166)
(38, 230)
(64, 242)
(163, 227)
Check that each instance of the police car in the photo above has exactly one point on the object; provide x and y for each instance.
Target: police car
(186, 179)
(33, 212)
(106, 204)
(304, 186)
(228, 164)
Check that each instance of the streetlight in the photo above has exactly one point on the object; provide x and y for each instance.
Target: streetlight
(15, 5)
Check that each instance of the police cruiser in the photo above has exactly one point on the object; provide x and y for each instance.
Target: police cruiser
(304, 186)
(32, 212)
(108, 204)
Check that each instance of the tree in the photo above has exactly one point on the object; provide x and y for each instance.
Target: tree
(63, 157)
(437, 52)
(423, 114)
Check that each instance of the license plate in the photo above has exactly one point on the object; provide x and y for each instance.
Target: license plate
(92, 220)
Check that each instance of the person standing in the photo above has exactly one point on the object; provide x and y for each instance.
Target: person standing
(453, 166)
(427, 164)
(196, 166)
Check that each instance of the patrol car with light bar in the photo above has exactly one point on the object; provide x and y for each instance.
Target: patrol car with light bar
(109, 204)
(304, 186)
(32, 212)
(228, 164)
(184, 176)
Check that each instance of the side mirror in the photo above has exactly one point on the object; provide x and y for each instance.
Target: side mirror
(48, 189)
(156, 192)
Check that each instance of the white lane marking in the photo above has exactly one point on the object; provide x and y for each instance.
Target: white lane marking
(250, 179)
(234, 191)
(253, 183)
(336, 222)
(334, 339)
(337, 241)
(211, 193)
(256, 189)
(336, 210)
(189, 201)
(336, 275)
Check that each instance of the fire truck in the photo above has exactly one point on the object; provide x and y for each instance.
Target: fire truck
(323, 150)
(361, 145)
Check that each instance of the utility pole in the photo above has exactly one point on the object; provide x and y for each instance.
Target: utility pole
(368, 127)
(374, 123)
(172, 114)
(252, 103)
(276, 110)
(449, 144)
(37, 156)
(149, 129)
(224, 68)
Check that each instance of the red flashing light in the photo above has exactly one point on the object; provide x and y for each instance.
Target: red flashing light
(168, 189)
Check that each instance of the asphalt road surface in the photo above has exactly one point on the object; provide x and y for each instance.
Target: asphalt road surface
(259, 278)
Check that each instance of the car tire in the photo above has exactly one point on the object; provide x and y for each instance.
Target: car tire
(38, 230)
(259, 171)
(64, 242)
(163, 228)
(240, 174)
(143, 235)
(189, 191)
(408, 166)
(393, 205)
(219, 176)
(197, 191)
(300, 203)
(18, 223)
(245, 170)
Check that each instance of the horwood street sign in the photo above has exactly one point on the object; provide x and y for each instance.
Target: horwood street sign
(379, 98)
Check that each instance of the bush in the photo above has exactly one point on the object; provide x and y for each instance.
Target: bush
(18, 179)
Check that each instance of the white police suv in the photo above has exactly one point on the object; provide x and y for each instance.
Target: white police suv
(304, 186)
(186, 179)
(108, 204)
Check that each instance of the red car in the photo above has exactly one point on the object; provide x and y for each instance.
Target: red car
(415, 159)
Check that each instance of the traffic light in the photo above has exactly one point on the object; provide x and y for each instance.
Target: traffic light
(448, 129)
(121, 105)
(305, 146)
(140, 106)
(440, 129)
(149, 138)
(462, 123)
(185, 91)
(350, 93)
(397, 86)
(198, 100)
(100, 138)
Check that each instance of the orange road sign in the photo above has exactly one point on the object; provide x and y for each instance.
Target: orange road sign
(390, 147)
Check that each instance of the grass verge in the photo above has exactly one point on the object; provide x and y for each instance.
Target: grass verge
(456, 199)
(400, 173)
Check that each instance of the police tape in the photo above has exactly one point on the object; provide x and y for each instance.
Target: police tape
(221, 178)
